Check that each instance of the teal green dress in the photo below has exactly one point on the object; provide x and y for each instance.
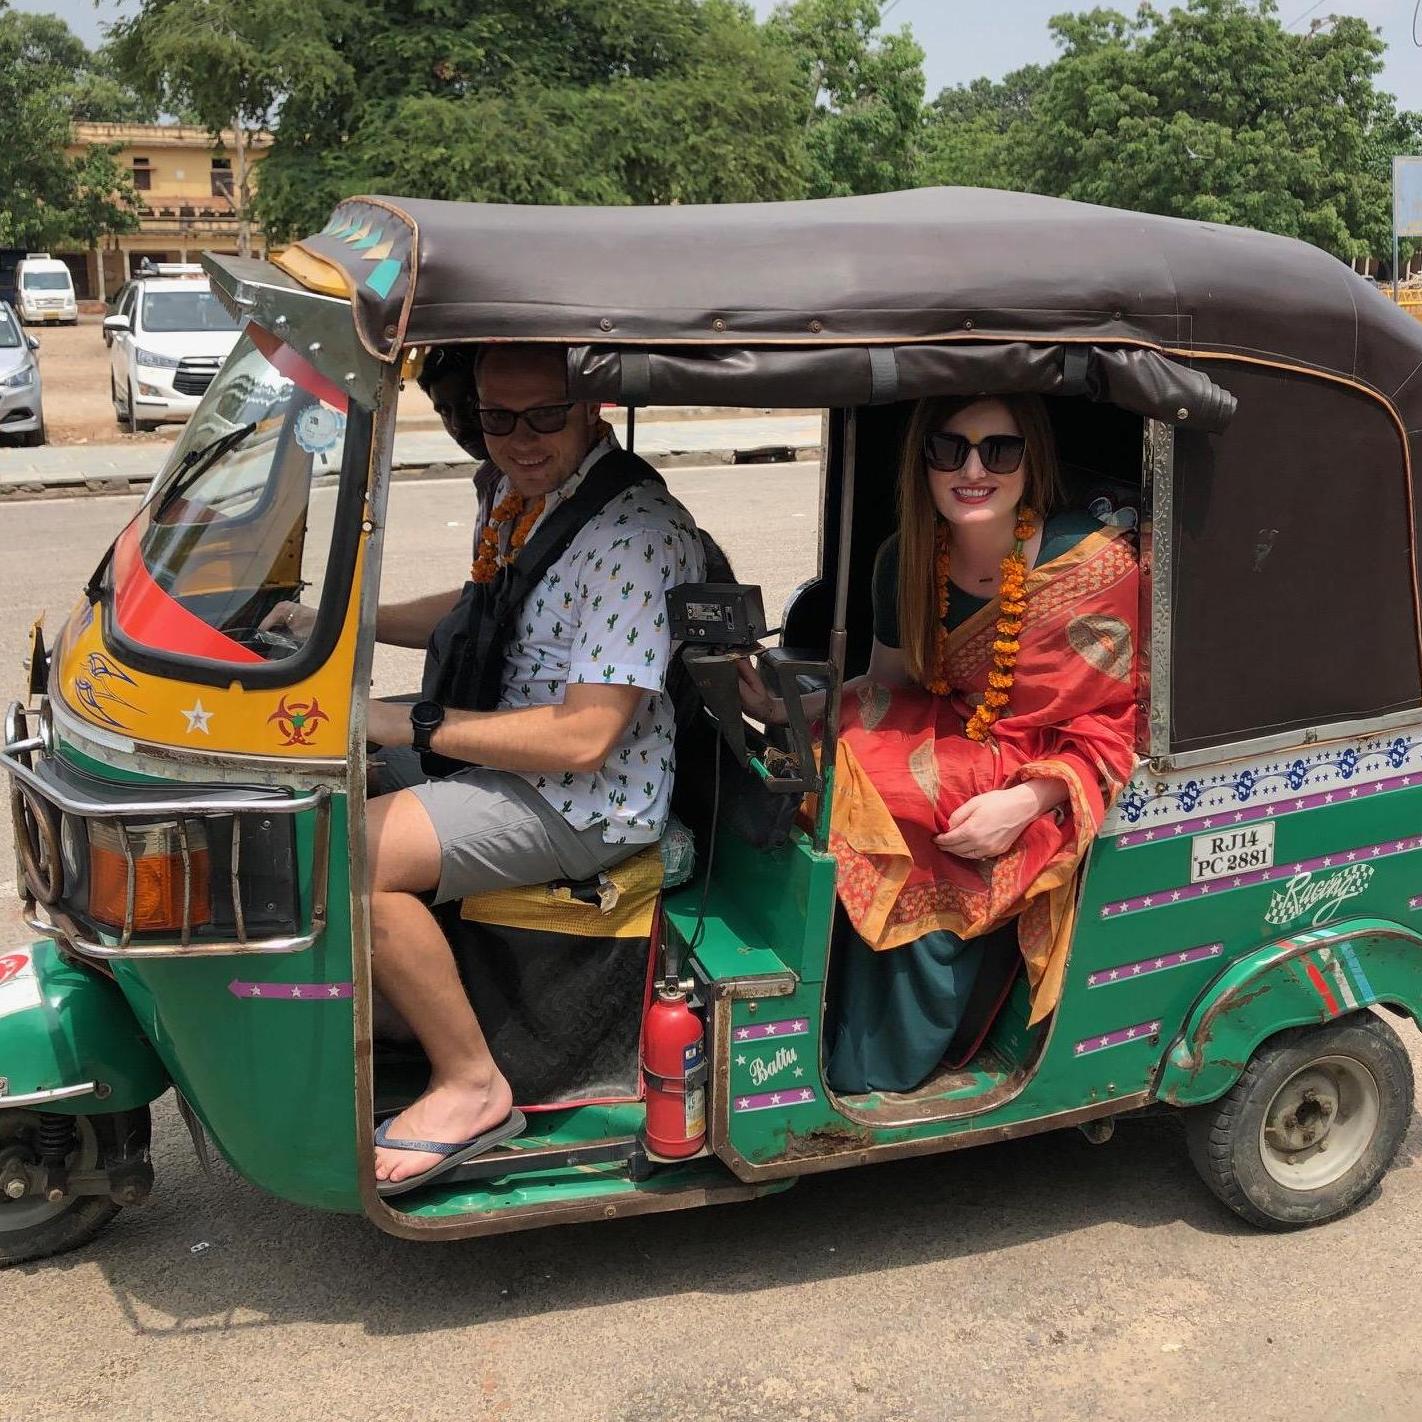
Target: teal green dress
(891, 1015)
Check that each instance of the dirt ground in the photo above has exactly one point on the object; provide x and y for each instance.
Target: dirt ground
(74, 375)
(74, 372)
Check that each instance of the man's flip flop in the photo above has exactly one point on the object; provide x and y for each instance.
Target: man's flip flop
(454, 1154)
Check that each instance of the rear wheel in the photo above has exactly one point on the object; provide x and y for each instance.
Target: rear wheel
(1310, 1127)
(33, 1227)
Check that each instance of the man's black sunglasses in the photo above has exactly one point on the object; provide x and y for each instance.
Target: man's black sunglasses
(999, 453)
(542, 419)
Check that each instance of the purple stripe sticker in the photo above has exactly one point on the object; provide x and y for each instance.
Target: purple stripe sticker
(290, 992)
(1222, 819)
(1340, 859)
(1124, 972)
(796, 1028)
(1118, 1038)
(797, 1096)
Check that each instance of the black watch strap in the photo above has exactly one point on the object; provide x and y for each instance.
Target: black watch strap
(425, 719)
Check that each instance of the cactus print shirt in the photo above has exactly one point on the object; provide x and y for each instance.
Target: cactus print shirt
(600, 615)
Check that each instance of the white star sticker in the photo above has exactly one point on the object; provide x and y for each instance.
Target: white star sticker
(799, 1071)
(1239, 815)
(799, 1026)
(1080, 1048)
(1130, 1034)
(742, 1033)
(1113, 975)
(1351, 856)
(1353, 793)
(1149, 835)
(1298, 804)
(1147, 901)
(198, 718)
(740, 1061)
(296, 992)
(1135, 969)
(256, 989)
(334, 990)
(1174, 898)
(742, 1104)
(770, 1029)
(807, 1096)
(1328, 798)
(1327, 862)
(1209, 823)
(775, 1100)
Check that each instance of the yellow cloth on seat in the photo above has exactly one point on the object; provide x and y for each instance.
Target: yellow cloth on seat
(627, 901)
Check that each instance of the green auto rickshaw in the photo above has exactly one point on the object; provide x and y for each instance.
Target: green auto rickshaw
(189, 789)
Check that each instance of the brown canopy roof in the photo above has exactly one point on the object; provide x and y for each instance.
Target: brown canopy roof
(925, 265)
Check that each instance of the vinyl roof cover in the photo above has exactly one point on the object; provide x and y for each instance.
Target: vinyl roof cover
(929, 264)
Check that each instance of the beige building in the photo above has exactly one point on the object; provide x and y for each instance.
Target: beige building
(187, 184)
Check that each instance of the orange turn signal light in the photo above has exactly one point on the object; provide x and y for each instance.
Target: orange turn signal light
(160, 873)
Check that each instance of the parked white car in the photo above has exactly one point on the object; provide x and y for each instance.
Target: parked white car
(21, 402)
(170, 336)
(44, 290)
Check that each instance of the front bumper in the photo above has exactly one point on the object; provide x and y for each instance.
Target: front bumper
(155, 398)
(22, 410)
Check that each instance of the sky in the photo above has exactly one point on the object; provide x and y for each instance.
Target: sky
(967, 38)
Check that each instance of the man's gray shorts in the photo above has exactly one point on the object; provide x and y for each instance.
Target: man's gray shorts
(495, 830)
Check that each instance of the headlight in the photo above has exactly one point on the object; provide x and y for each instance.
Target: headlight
(19, 379)
(155, 361)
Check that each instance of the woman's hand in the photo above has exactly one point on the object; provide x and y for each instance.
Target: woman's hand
(988, 824)
(292, 618)
(756, 700)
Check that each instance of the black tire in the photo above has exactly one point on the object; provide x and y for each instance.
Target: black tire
(132, 423)
(119, 418)
(30, 1228)
(31, 439)
(1261, 1148)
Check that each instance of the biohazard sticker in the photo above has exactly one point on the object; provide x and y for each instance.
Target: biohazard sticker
(19, 985)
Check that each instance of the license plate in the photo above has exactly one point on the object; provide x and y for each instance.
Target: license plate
(1240, 849)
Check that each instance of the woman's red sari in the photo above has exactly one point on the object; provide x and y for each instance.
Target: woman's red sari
(905, 765)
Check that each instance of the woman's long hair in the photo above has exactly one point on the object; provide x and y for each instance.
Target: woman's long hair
(918, 516)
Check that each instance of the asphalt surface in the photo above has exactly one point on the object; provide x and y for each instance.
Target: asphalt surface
(1047, 1278)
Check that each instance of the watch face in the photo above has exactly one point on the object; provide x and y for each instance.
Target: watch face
(426, 714)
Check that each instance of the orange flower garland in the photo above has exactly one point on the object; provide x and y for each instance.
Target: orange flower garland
(510, 508)
(1012, 609)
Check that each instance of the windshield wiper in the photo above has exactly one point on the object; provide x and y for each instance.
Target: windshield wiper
(196, 462)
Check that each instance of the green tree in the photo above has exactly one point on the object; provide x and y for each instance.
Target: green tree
(551, 101)
(47, 198)
(861, 93)
(230, 64)
(981, 134)
(1214, 111)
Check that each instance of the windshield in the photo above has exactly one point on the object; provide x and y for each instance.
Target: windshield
(185, 311)
(9, 335)
(242, 518)
(46, 281)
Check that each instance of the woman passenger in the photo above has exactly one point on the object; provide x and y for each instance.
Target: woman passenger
(981, 751)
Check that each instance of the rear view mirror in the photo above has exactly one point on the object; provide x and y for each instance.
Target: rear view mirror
(32, 342)
(115, 323)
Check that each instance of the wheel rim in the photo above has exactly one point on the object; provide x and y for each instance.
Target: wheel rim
(17, 1130)
(1320, 1123)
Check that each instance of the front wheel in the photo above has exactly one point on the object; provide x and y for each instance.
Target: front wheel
(33, 1227)
(1310, 1127)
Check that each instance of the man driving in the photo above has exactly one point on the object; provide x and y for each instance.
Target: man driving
(545, 730)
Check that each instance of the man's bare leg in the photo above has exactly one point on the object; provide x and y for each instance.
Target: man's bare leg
(414, 968)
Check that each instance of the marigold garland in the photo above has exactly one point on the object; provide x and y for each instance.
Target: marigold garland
(1012, 609)
(511, 508)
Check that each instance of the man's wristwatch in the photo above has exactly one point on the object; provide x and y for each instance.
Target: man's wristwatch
(425, 719)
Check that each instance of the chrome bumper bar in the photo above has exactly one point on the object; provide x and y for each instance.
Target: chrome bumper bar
(32, 793)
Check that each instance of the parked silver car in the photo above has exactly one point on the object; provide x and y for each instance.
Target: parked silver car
(21, 403)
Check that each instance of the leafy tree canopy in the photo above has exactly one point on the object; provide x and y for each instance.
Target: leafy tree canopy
(554, 101)
(48, 78)
(1212, 111)
(861, 93)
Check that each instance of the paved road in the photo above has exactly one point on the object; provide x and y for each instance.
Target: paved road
(124, 462)
(1045, 1279)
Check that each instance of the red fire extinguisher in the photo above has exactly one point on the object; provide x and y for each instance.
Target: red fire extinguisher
(674, 1064)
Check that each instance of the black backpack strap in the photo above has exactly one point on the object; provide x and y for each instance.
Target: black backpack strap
(475, 684)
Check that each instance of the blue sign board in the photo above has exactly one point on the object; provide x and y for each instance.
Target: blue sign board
(1407, 197)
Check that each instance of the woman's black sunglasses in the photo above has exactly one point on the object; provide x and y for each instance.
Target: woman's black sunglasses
(542, 419)
(999, 453)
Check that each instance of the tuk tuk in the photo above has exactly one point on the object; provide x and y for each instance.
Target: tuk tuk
(189, 790)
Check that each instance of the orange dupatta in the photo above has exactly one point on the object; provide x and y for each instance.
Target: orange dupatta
(905, 765)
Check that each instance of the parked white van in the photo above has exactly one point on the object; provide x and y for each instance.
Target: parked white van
(44, 290)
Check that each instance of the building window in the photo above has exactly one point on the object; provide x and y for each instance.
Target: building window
(222, 177)
(142, 175)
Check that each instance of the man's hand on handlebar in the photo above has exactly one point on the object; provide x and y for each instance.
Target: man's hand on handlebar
(756, 700)
(292, 618)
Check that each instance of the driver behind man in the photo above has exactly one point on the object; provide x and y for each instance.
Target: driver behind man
(568, 774)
